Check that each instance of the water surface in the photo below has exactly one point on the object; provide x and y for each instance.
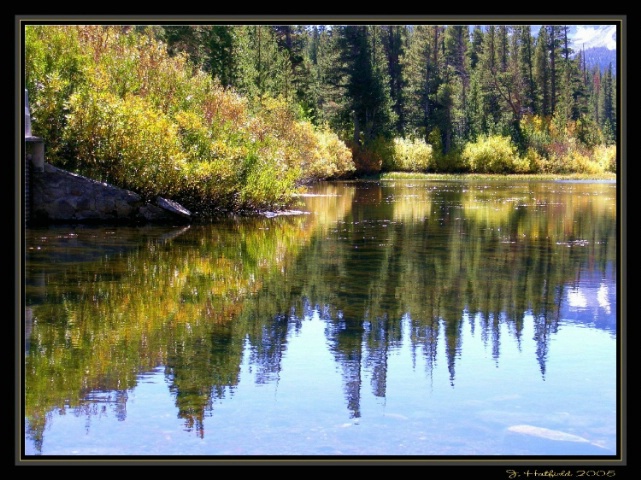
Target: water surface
(397, 318)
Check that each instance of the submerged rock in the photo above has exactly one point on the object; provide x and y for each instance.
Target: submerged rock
(547, 433)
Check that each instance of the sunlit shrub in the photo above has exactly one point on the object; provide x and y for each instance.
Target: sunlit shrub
(125, 142)
(409, 155)
(332, 159)
(266, 185)
(55, 66)
(492, 154)
(536, 163)
(208, 187)
(606, 157)
(535, 130)
(578, 162)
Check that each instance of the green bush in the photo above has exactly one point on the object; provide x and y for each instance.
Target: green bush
(125, 142)
(409, 155)
(266, 186)
(112, 104)
(55, 66)
(493, 154)
(332, 158)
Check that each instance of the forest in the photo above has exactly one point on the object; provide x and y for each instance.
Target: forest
(237, 118)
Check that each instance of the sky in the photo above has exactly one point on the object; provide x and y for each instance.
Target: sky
(594, 36)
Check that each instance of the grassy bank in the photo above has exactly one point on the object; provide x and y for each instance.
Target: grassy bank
(482, 176)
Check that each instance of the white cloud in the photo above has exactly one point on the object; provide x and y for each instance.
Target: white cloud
(588, 36)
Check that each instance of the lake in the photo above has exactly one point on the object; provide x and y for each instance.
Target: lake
(416, 318)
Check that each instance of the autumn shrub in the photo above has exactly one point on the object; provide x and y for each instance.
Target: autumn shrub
(606, 157)
(535, 162)
(126, 142)
(366, 161)
(493, 154)
(409, 155)
(535, 130)
(267, 184)
(112, 104)
(55, 66)
(332, 158)
(578, 162)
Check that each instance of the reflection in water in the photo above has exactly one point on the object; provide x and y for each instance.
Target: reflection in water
(384, 266)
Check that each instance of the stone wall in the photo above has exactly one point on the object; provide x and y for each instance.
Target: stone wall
(58, 196)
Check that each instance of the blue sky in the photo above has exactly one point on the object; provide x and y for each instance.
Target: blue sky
(595, 36)
(588, 36)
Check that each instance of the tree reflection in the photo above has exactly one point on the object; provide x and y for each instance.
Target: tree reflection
(383, 265)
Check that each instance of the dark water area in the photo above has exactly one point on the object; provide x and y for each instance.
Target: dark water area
(393, 318)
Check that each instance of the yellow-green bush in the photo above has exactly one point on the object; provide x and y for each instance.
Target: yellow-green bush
(125, 142)
(112, 104)
(536, 163)
(606, 157)
(409, 155)
(579, 162)
(267, 184)
(55, 66)
(493, 154)
(332, 158)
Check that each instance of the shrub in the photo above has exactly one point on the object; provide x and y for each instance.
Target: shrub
(266, 186)
(409, 155)
(366, 161)
(606, 157)
(125, 142)
(112, 104)
(55, 66)
(332, 158)
(492, 154)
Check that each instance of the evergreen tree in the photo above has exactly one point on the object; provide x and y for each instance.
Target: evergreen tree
(395, 41)
(292, 41)
(542, 74)
(327, 84)
(262, 67)
(607, 106)
(555, 52)
(489, 65)
(457, 45)
(476, 46)
(368, 94)
(525, 44)
(421, 77)
(210, 47)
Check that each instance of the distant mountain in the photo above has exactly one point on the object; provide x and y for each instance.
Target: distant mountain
(600, 56)
(598, 42)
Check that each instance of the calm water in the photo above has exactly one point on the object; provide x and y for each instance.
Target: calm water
(400, 318)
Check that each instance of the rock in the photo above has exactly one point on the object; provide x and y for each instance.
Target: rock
(61, 196)
(173, 207)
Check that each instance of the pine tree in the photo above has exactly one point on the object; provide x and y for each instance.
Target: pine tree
(607, 106)
(210, 47)
(368, 92)
(457, 45)
(327, 87)
(394, 41)
(421, 77)
(555, 52)
(542, 74)
(525, 44)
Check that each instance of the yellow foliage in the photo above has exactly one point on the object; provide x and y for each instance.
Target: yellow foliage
(410, 155)
(492, 154)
